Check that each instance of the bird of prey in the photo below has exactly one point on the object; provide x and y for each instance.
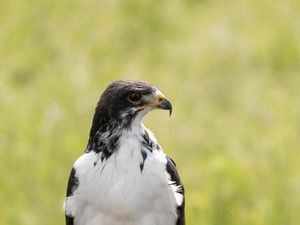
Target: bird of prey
(124, 177)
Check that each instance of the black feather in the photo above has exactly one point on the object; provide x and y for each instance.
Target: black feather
(171, 169)
(144, 155)
(72, 186)
(147, 142)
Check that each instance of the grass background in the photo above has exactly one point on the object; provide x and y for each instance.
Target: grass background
(230, 68)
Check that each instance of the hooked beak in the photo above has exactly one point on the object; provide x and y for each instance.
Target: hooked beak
(165, 104)
(157, 101)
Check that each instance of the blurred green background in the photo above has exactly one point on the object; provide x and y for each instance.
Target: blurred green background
(230, 68)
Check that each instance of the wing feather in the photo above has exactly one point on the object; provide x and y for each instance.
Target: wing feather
(171, 169)
(72, 185)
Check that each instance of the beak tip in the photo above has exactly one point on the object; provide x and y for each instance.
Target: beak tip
(169, 107)
(170, 112)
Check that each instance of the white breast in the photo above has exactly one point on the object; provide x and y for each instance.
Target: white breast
(117, 192)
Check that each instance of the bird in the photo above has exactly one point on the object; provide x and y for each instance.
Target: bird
(124, 177)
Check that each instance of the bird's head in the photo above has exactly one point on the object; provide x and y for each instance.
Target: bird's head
(126, 100)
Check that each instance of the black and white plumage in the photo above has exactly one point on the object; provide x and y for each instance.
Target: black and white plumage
(124, 177)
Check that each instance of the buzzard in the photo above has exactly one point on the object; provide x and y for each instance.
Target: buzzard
(124, 177)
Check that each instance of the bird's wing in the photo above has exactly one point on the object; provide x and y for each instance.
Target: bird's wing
(72, 185)
(171, 169)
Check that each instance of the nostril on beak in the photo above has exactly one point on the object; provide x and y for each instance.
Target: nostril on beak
(160, 98)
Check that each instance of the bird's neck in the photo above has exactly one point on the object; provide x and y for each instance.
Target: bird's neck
(105, 136)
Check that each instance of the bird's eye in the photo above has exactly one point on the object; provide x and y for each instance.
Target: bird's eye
(135, 97)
